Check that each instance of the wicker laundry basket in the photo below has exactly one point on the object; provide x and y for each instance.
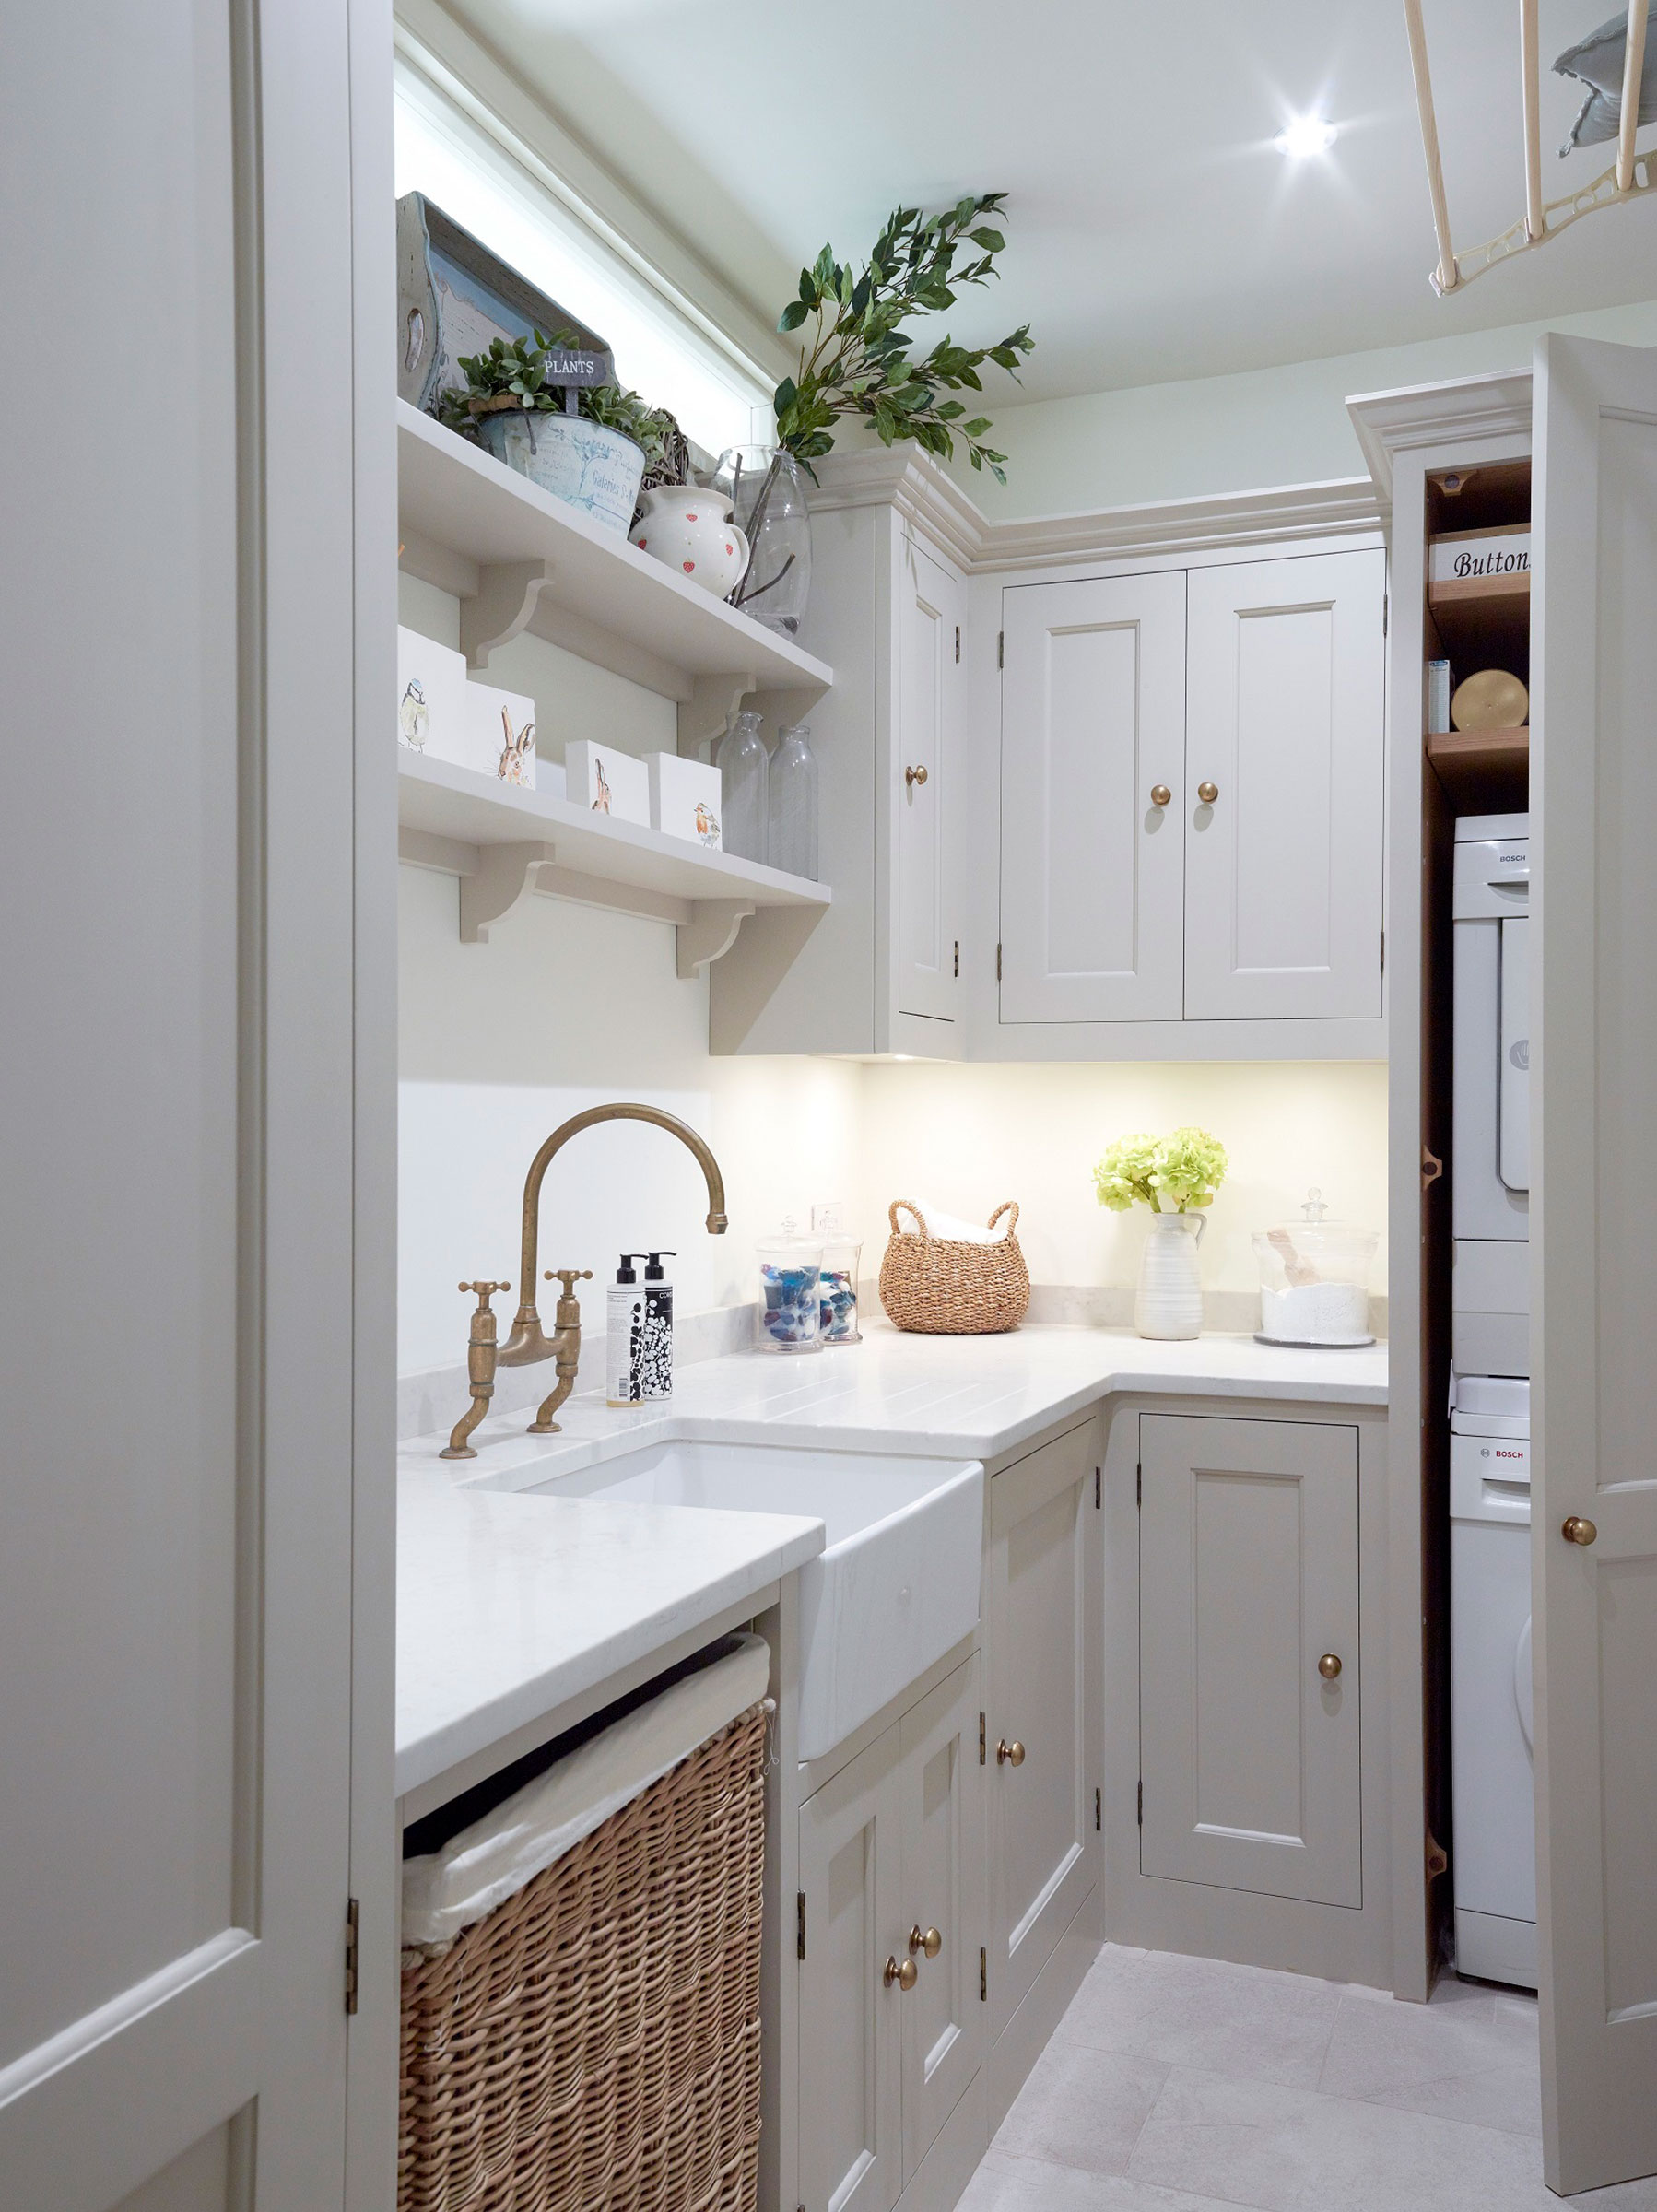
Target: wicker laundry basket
(939, 1287)
(593, 2044)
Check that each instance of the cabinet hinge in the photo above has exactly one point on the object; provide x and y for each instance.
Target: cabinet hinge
(984, 1974)
(1098, 1810)
(958, 955)
(1096, 1489)
(1386, 610)
(1438, 1859)
(1140, 1814)
(800, 1924)
(981, 1739)
(998, 963)
(1139, 1484)
(1001, 647)
(1383, 952)
(957, 642)
(353, 1920)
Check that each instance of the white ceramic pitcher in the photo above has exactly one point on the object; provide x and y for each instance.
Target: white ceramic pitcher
(691, 529)
(1169, 1298)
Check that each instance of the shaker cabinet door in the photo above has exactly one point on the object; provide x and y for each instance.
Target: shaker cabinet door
(941, 2019)
(1285, 725)
(1248, 1580)
(850, 1857)
(1042, 1622)
(931, 610)
(1092, 867)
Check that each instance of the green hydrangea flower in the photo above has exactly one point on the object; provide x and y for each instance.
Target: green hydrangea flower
(1175, 1174)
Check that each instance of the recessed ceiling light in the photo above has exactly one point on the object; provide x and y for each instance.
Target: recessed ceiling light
(1305, 135)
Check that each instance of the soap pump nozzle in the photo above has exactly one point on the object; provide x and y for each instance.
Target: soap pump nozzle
(627, 1272)
(653, 1272)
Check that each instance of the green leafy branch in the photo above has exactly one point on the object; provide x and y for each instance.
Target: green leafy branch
(857, 361)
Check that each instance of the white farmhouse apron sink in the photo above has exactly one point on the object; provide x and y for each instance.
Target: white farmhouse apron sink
(895, 1587)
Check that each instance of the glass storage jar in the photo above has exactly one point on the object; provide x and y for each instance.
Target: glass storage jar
(1314, 1279)
(791, 1269)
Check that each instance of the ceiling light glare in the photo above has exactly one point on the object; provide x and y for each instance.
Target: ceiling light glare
(1305, 135)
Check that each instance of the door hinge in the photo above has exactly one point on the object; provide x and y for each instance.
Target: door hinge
(981, 1739)
(1001, 647)
(1096, 1489)
(1386, 611)
(1139, 1484)
(800, 1924)
(958, 955)
(998, 963)
(1099, 1811)
(353, 1924)
(984, 1974)
(1383, 952)
(958, 642)
(1140, 1814)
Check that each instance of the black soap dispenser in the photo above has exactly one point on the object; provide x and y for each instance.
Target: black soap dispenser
(638, 1333)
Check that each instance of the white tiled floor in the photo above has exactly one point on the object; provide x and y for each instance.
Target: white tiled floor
(1185, 2085)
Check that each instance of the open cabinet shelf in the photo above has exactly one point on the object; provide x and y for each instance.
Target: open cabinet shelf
(504, 844)
(518, 558)
(1483, 770)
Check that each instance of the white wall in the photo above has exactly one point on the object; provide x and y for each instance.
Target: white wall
(1238, 433)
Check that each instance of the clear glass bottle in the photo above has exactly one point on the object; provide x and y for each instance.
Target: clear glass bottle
(793, 802)
(744, 767)
(767, 490)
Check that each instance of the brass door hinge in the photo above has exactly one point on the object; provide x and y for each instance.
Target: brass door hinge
(984, 1974)
(981, 1739)
(958, 642)
(958, 955)
(800, 1924)
(353, 1919)
(998, 963)
(1001, 647)
(1099, 1811)
(1438, 1859)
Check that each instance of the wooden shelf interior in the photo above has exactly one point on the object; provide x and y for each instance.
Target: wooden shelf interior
(1484, 623)
(1483, 772)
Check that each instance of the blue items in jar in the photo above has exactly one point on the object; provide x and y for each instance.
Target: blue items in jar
(791, 1269)
(837, 1298)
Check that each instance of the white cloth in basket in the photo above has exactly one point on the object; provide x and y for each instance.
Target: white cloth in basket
(495, 1856)
(952, 1227)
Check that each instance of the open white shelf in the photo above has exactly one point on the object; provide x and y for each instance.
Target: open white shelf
(516, 558)
(504, 844)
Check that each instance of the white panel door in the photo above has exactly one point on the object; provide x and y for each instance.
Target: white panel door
(1248, 1578)
(851, 2093)
(1092, 867)
(942, 1824)
(1042, 1630)
(177, 1185)
(931, 609)
(1594, 1003)
(1286, 724)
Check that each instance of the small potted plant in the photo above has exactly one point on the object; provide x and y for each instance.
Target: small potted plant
(595, 457)
(1177, 1177)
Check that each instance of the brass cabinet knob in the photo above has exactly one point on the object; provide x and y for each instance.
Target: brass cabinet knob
(905, 1976)
(1161, 795)
(912, 776)
(1208, 793)
(1009, 1755)
(1329, 1666)
(924, 1939)
(1576, 1530)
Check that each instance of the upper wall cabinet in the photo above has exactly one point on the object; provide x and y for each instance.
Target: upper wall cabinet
(1285, 720)
(930, 614)
(1191, 794)
(1092, 777)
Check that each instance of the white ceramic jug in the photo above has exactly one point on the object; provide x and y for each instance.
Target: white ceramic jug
(691, 531)
(1170, 1299)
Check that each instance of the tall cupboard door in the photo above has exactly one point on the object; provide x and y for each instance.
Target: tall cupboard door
(1284, 775)
(1042, 1600)
(1248, 1663)
(1593, 996)
(941, 1819)
(1092, 792)
(851, 1860)
(931, 609)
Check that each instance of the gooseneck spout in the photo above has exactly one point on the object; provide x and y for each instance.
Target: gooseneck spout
(526, 1344)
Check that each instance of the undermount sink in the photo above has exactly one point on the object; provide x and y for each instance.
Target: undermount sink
(896, 1587)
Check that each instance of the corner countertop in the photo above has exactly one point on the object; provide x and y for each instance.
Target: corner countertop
(507, 1605)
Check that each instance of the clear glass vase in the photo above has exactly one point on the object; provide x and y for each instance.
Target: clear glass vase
(766, 487)
(792, 842)
(744, 767)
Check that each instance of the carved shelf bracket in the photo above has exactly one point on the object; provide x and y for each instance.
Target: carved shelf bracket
(507, 592)
(505, 873)
(709, 933)
(706, 714)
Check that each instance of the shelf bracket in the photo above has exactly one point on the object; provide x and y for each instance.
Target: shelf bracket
(505, 875)
(706, 714)
(709, 933)
(507, 592)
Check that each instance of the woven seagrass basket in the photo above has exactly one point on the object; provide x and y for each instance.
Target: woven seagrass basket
(593, 2044)
(936, 1287)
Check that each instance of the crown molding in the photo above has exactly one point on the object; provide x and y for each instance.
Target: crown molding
(1388, 423)
(929, 498)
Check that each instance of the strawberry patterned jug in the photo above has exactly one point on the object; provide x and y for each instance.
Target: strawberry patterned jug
(690, 530)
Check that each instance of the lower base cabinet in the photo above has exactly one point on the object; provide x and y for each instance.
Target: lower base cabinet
(891, 1929)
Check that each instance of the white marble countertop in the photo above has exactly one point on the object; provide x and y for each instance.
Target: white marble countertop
(508, 1607)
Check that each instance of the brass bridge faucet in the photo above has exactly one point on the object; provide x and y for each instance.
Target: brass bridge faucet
(526, 1344)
